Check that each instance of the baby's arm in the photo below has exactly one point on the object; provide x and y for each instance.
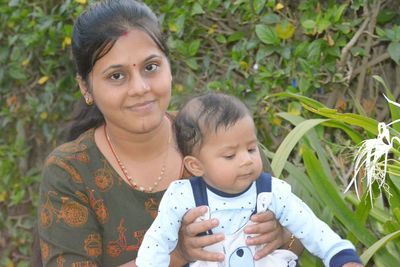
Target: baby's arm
(317, 237)
(162, 236)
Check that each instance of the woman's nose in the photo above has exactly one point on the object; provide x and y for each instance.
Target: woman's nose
(138, 85)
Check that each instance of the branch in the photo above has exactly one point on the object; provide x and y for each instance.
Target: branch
(373, 62)
(351, 43)
(368, 45)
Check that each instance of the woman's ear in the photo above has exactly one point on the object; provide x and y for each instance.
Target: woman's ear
(83, 87)
(193, 165)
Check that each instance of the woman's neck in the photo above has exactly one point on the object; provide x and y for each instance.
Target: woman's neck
(137, 146)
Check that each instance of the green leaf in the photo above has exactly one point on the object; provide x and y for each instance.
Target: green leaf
(366, 123)
(221, 39)
(235, 36)
(258, 5)
(192, 63)
(270, 18)
(339, 12)
(308, 24)
(289, 143)
(381, 33)
(17, 73)
(303, 99)
(326, 189)
(267, 34)
(193, 48)
(372, 250)
(394, 51)
(394, 111)
(322, 25)
(197, 9)
(354, 135)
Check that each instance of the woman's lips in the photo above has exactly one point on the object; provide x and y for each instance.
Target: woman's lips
(142, 106)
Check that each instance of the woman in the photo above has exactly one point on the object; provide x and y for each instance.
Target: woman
(100, 191)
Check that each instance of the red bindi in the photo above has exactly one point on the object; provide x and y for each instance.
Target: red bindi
(125, 34)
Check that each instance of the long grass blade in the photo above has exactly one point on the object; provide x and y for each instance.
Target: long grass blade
(372, 250)
(283, 152)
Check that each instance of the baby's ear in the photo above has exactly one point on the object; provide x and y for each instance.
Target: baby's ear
(193, 165)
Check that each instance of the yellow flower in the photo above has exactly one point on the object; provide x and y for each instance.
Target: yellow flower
(243, 65)
(285, 30)
(212, 29)
(279, 6)
(67, 41)
(179, 88)
(81, 1)
(43, 80)
(43, 115)
(25, 62)
(172, 27)
(3, 196)
(276, 121)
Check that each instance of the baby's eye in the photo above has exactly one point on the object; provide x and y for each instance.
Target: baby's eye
(229, 156)
(117, 76)
(151, 67)
(252, 150)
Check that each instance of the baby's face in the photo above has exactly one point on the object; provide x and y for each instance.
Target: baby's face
(230, 157)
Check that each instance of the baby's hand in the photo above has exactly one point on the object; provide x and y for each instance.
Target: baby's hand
(353, 264)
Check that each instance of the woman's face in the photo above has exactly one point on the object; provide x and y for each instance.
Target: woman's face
(131, 84)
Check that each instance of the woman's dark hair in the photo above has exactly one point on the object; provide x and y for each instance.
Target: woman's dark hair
(95, 32)
(205, 113)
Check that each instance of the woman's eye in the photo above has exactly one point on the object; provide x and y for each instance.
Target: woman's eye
(117, 76)
(151, 67)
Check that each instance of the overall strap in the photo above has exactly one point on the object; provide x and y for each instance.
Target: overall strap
(263, 184)
(199, 189)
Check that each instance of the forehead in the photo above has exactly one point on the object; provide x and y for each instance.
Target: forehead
(132, 47)
(242, 131)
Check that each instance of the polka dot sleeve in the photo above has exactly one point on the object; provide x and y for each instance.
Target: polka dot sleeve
(317, 237)
(162, 237)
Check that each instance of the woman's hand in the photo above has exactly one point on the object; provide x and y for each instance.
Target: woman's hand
(270, 234)
(190, 246)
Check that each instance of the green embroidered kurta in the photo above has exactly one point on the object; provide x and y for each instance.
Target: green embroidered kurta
(88, 215)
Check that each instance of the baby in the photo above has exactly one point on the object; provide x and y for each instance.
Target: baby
(217, 138)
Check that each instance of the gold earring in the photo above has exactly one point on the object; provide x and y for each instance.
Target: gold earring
(88, 100)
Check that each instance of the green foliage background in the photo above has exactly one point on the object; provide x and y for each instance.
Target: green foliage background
(324, 50)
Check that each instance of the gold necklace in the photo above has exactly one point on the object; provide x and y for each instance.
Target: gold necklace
(129, 178)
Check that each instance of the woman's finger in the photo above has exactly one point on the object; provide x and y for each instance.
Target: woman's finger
(263, 217)
(266, 249)
(193, 214)
(202, 241)
(191, 227)
(262, 223)
(204, 255)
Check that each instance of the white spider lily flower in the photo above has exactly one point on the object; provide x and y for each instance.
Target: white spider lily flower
(372, 156)
(391, 102)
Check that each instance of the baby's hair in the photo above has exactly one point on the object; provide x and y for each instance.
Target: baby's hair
(205, 113)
